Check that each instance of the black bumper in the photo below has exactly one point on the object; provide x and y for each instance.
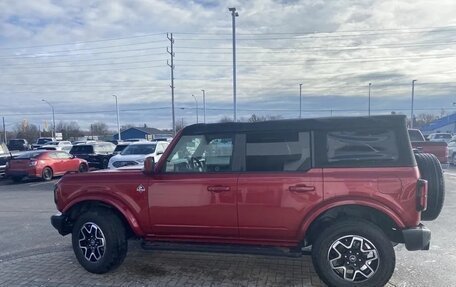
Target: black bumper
(61, 223)
(417, 238)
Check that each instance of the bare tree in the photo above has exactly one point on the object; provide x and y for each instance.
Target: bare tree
(69, 130)
(255, 118)
(99, 129)
(424, 119)
(27, 131)
(225, 119)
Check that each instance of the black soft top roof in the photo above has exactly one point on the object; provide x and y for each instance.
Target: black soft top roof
(328, 123)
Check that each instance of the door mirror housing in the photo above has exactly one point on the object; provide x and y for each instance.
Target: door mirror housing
(149, 165)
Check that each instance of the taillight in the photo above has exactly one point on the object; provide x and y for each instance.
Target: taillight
(421, 194)
(33, 163)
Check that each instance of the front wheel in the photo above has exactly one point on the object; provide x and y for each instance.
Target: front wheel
(353, 253)
(99, 241)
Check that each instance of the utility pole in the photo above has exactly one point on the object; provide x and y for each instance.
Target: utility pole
(300, 100)
(204, 106)
(413, 99)
(234, 14)
(53, 117)
(171, 54)
(369, 105)
(119, 137)
(196, 102)
(4, 130)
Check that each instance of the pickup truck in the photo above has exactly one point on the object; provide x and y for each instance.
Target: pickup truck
(437, 148)
(349, 188)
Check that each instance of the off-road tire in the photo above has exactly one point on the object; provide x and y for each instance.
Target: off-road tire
(360, 228)
(431, 170)
(116, 244)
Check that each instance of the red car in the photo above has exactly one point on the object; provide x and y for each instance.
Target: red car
(43, 164)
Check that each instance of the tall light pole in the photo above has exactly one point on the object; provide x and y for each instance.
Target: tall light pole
(196, 102)
(413, 99)
(119, 137)
(300, 100)
(53, 117)
(369, 105)
(204, 106)
(234, 14)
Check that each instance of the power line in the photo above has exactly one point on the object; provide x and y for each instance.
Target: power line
(91, 65)
(84, 71)
(83, 42)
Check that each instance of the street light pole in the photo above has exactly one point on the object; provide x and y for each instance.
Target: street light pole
(119, 137)
(369, 105)
(196, 102)
(234, 14)
(413, 99)
(53, 117)
(300, 100)
(204, 106)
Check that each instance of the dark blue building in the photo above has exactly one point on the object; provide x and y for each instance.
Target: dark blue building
(141, 133)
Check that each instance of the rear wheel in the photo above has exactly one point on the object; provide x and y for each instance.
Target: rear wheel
(47, 174)
(83, 167)
(99, 241)
(353, 252)
(431, 170)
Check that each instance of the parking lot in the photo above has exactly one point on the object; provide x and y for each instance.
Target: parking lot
(32, 253)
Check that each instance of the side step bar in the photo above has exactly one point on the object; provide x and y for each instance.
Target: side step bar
(217, 248)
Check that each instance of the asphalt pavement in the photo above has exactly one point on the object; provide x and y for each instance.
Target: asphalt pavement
(32, 253)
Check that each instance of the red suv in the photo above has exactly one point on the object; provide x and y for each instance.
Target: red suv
(348, 187)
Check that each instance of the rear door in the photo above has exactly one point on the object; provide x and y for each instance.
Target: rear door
(278, 185)
(194, 196)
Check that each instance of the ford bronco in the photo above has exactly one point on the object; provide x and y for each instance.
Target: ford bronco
(349, 188)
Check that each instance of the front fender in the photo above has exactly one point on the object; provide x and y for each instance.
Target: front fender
(118, 205)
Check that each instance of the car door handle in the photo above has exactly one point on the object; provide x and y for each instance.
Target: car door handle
(218, 188)
(301, 188)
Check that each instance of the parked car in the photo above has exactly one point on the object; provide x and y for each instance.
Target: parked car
(97, 154)
(42, 141)
(18, 144)
(120, 147)
(437, 148)
(271, 187)
(5, 156)
(440, 137)
(135, 140)
(135, 153)
(43, 164)
(57, 145)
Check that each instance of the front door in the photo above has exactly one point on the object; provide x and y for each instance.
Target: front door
(194, 194)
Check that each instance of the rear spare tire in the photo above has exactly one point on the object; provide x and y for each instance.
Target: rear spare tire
(431, 170)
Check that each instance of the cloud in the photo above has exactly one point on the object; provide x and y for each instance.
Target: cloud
(334, 48)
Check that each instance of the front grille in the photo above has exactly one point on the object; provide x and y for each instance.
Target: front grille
(124, 163)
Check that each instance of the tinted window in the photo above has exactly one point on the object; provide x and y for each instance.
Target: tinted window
(120, 148)
(80, 149)
(139, 149)
(361, 146)
(201, 153)
(30, 154)
(278, 151)
(415, 136)
(43, 141)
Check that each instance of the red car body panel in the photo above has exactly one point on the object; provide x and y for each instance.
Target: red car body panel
(254, 210)
(439, 149)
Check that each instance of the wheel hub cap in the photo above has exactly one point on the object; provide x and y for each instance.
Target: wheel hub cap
(353, 258)
(91, 242)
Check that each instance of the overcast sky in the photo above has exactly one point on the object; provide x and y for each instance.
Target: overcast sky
(77, 54)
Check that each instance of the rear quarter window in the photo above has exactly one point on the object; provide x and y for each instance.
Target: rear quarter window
(358, 148)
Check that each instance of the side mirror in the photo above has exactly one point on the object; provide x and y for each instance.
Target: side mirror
(149, 165)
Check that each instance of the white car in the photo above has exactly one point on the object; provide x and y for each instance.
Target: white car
(135, 153)
(57, 145)
(440, 137)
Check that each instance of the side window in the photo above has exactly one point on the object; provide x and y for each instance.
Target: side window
(372, 147)
(278, 151)
(54, 155)
(201, 153)
(64, 155)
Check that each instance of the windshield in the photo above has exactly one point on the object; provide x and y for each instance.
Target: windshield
(52, 143)
(139, 149)
(120, 147)
(16, 142)
(79, 149)
(43, 141)
(415, 136)
(30, 154)
(443, 136)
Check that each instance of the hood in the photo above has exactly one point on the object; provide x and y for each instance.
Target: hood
(130, 157)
